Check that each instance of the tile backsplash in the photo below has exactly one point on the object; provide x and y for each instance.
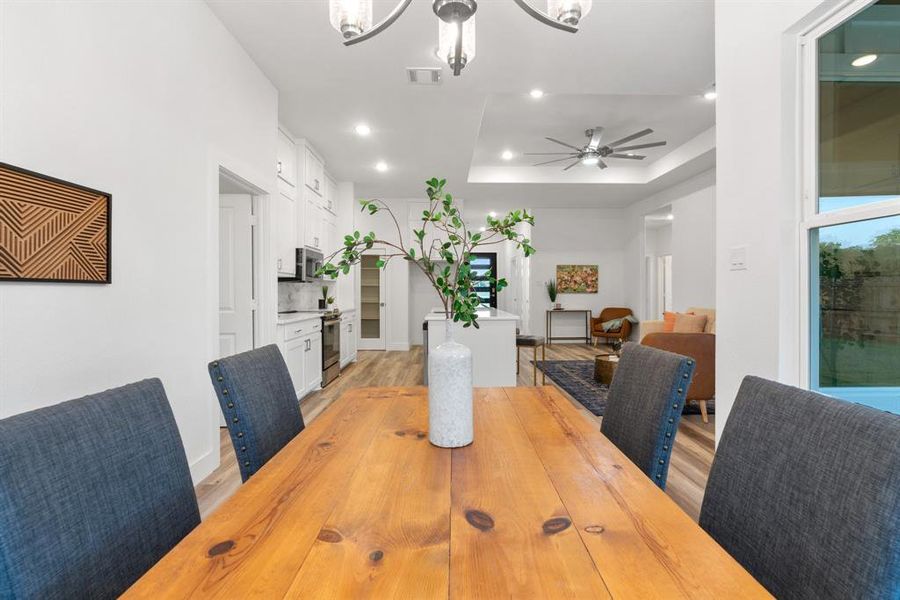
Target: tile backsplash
(299, 296)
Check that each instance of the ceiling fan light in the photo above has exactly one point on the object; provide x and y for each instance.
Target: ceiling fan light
(570, 12)
(350, 17)
(447, 33)
(590, 161)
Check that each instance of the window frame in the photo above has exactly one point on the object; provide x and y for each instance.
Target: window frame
(810, 220)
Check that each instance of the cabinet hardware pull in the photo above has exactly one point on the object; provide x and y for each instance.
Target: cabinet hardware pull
(279, 263)
(279, 166)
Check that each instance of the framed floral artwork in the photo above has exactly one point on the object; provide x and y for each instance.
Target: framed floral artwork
(577, 279)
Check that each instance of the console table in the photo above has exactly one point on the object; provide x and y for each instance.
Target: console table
(587, 325)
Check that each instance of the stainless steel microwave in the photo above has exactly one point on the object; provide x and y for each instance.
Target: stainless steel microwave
(308, 261)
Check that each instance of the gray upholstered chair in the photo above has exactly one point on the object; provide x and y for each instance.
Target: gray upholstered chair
(804, 492)
(93, 492)
(260, 406)
(643, 408)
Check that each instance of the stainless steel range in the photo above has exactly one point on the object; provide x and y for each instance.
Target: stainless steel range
(331, 349)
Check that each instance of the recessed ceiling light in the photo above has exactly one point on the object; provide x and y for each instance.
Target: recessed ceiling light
(363, 129)
(670, 217)
(536, 93)
(507, 155)
(865, 59)
(710, 95)
(381, 166)
(590, 161)
(493, 214)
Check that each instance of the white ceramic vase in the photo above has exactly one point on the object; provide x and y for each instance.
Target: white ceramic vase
(450, 393)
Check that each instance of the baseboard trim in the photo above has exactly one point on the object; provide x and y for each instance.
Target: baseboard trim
(398, 347)
(206, 464)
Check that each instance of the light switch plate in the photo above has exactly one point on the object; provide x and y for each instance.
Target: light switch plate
(737, 258)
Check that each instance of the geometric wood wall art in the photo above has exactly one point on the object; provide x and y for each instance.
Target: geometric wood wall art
(577, 279)
(52, 230)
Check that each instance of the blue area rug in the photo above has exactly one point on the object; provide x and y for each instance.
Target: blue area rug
(577, 378)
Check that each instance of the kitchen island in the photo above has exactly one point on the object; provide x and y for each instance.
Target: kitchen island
(493, 344)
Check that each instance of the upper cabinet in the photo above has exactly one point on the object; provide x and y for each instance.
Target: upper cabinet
(330, 197)
(286, 165)
(314, 176)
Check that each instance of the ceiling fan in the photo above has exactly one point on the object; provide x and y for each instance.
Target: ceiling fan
(593, 152)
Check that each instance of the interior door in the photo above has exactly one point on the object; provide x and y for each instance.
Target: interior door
(372, 303)
(235, 274)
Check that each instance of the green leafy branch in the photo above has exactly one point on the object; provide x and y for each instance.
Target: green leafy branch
(453, 281)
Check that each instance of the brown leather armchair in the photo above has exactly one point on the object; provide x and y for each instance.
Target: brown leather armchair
(608, 314)
(702, 348)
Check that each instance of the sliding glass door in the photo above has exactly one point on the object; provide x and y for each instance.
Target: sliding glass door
(852, 223)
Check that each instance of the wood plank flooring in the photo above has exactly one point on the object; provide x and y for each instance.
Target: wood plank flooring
(691, 456)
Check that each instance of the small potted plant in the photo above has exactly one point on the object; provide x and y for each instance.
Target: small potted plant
(552, 291)
(325, 301)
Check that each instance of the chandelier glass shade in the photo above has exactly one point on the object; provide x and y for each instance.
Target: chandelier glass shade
(353, 19)
(350, 17)
(569, 12)
(447, 34)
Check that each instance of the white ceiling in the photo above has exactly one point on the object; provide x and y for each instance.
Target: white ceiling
(634, 64)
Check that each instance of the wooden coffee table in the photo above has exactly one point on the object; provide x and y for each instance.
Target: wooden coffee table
(605, 367)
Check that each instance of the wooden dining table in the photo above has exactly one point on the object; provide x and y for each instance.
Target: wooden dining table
(361, 505)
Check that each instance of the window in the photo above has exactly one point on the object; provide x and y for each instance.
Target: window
(484, 265)
(852, 223)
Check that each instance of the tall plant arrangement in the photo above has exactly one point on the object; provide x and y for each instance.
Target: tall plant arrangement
(453, 281)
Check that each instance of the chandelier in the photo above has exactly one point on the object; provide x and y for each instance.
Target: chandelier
(456, 26)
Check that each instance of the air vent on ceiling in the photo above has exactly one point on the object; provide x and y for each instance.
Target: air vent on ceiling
(423, 75)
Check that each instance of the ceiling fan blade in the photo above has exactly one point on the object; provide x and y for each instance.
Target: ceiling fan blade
(631, 156)
(639, 146)
(596, 134)
(576, 148)
(549, 153)
(572, 165)
(547, 162)
(633, 136)
(601, 164)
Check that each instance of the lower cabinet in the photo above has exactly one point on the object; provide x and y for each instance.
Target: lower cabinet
(348, 341)
(312, 363)
(301, 346)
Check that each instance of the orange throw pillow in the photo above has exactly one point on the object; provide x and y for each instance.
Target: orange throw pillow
(690, 323)
(668, 322)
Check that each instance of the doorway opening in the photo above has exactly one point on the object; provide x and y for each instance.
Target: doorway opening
(239, 252)
(657, 263)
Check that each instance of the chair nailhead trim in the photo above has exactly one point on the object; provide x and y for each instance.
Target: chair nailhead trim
(246, 463)
(680, 390)
(219, 378)
(675, 405)
(240, 434)
(231, 405)
(224, 392)
(234, 420)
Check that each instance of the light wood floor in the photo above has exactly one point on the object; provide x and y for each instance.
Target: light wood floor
(688, 470)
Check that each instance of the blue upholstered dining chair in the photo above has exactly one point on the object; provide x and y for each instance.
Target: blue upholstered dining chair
(804, 492)
(260, 405)
(93, 492)
(643, 408)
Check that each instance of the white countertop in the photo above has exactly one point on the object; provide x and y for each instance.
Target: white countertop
(306, 315)
(484, 314)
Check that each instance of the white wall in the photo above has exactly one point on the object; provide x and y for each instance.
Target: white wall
(139, 99)
(564, 236)
(690, 241)
(756, 207)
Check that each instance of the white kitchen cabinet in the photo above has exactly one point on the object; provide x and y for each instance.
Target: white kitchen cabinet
(285, 235)
(314, 225)
(294, 356)
(348, 340)
(286, 165)
(330, 196)
(301, 345)
(314, 171)
(330, 242)
(312, 362)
